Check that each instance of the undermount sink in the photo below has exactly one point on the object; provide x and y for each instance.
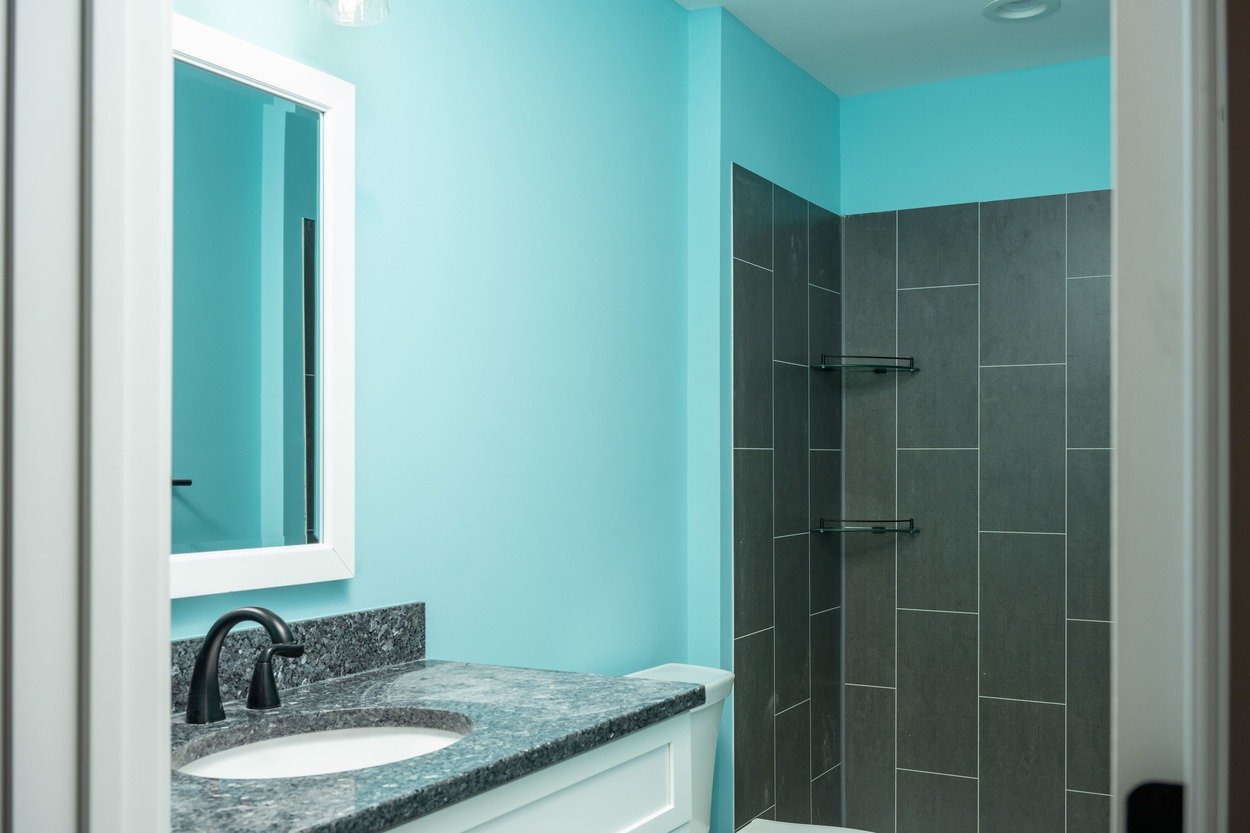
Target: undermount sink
(322, 753)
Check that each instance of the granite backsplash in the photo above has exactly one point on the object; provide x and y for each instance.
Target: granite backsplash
(337, 646)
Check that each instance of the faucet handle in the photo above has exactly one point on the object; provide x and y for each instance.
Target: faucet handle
(283, 649)
(263, 692)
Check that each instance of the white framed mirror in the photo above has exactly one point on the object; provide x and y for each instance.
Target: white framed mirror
(263, 318)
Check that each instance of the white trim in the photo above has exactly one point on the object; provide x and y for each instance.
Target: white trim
(200, 574)
(1167, 354)
(45, 708)
(127, 428)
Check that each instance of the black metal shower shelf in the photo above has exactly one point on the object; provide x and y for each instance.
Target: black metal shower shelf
(867, 364)
(907, 526)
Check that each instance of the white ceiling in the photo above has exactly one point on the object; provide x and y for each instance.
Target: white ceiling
(860, 46)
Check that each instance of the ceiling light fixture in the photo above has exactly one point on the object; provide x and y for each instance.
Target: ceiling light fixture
(1013, 10)
(351, 12)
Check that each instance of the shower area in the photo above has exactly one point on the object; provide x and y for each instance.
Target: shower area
(921, 514)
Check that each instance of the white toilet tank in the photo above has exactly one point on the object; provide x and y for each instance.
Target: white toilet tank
(705, 725)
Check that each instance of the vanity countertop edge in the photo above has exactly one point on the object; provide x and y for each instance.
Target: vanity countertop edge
(523, 720)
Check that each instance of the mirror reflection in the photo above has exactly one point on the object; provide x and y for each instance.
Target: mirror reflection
(246, 451)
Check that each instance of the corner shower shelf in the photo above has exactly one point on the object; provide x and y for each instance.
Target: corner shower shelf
(907, 526)
(867, 364)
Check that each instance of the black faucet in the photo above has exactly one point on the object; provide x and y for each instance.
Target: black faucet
(204, 701)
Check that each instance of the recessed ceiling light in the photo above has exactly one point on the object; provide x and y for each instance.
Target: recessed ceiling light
(1013, 10)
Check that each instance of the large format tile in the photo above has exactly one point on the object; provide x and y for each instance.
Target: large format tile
(753, 362)
(938, 246)
(826, 248)
(937, 692)
(869, 412)
(826, 690)
(794, 768)
(789, 277)
(1089, 363)
(1022, 616)
(1089, 813)
(869, 560)
(1022, 281)
(869, 609)
(930, 803)
(937, 407)
(869, 759)
(1022, 449)
(752, 218)
(937, 569)
(1089, 706)
(1089, 534)
(826, 550)
(1089, 233)
(827, 798)
(753, 541)
(754, 784)
(790, 449)
(868, 284)
(790, 561)
(1021, 767)
(825, 338)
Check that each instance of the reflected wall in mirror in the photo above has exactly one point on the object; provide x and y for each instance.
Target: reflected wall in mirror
(246, 212)
(263, 318)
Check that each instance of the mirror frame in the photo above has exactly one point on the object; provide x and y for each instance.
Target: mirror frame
(205, 573)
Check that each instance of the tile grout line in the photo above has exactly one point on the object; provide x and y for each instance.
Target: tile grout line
(747, 262)
(894, 460)
(980, 281)
(932, 610)
(1016, 532)
(935, 286)
(870, 685)
(843, 229)
(753, 633)
(772, 323)
(827, 771)
(807, 508)
(792, 708)
(1066, 419)
(1027, 364)
(1022, 700)
(941, 774)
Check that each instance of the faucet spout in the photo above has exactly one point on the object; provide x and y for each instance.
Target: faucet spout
(204, 700)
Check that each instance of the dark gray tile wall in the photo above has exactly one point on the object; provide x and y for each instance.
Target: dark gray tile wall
(977, 654)
(787, 467)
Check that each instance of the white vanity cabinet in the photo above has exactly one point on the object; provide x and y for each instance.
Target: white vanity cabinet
(638, 784)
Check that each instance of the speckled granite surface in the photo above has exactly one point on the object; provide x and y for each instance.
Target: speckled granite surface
(521, 721)
(337, 646)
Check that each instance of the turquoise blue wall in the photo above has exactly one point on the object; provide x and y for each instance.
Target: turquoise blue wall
(521, 369)
(1014, 134)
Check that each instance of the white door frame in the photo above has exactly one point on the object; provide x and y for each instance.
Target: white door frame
(1169, 353)
(86, 494)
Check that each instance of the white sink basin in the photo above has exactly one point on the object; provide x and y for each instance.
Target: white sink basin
(321, 753)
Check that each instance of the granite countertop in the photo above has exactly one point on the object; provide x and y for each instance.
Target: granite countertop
(520, 720)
